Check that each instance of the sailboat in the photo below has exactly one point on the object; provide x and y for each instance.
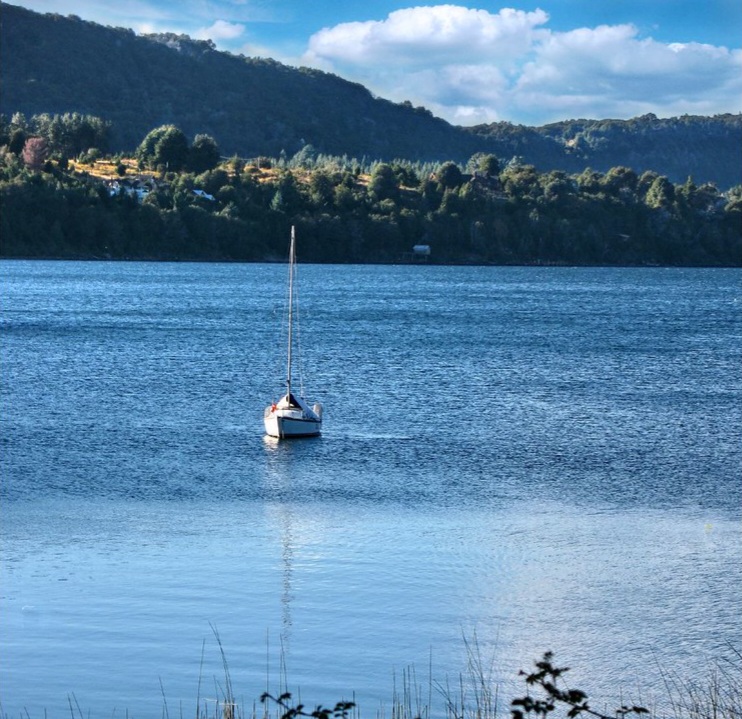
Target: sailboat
(292, 416)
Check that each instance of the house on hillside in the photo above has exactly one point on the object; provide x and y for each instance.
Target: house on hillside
(137, 188)
(420, 253)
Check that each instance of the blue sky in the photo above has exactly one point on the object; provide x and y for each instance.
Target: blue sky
(525, 62)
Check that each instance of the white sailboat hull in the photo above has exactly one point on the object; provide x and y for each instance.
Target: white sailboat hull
(292, 417)
(288, 427)
(287, 423)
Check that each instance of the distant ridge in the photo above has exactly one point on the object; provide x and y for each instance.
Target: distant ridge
(253, 106)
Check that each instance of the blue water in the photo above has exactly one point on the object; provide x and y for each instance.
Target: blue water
(543, 458)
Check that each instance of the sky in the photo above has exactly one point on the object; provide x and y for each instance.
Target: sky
(528, 62)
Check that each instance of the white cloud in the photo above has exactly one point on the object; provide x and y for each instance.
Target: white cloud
(474, 66)
(613, 69)
(415, 35)
(221, 30)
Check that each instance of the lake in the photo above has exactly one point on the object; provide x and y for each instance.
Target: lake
(513, 460)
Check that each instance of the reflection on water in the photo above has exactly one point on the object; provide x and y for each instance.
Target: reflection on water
(277, 479)
(546, 457)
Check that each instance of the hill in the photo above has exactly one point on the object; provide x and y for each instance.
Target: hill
(708, 149)
(255, 106)
(251, 106)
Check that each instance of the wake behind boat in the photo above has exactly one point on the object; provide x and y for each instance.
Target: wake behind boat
(292, 416)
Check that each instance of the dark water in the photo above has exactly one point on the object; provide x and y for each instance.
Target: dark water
(546, 457)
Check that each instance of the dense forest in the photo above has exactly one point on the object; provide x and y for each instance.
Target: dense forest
(177, 199)
(256, 106)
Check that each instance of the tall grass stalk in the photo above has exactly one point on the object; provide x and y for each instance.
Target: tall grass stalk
(473, 694)
(715, 696)
(477, 692)
(409, 702)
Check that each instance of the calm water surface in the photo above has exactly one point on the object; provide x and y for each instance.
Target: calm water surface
(546, 458)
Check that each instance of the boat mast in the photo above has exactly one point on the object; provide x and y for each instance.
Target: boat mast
(292, 260)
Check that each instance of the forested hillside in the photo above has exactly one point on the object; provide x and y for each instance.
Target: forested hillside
(705, 148)
(253, 106)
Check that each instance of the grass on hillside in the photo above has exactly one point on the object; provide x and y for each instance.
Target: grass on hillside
(106, 169)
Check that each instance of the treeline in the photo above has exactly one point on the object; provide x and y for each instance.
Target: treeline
(69, 134)
(349, 210)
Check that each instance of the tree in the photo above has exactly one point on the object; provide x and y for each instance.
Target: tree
(237, 164)
(451, 203)
(165, 145)
(588, 181)
(306, 158)
(450, 176)
(734, 202)
(620, 181)
(703, 198)
(322, 190)
(171, 149)
(646, 179)
(556, 185)
(287, 197)
(344, 198)
(17, 140)
(406, 176)
(35, 152)
(485, 163)
(145, 153)
(212, 181)
(383, 183)
(204, 154)
(431, 195)
(521, 181)
(661, 194)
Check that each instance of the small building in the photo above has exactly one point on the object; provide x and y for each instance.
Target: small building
(420, 253)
